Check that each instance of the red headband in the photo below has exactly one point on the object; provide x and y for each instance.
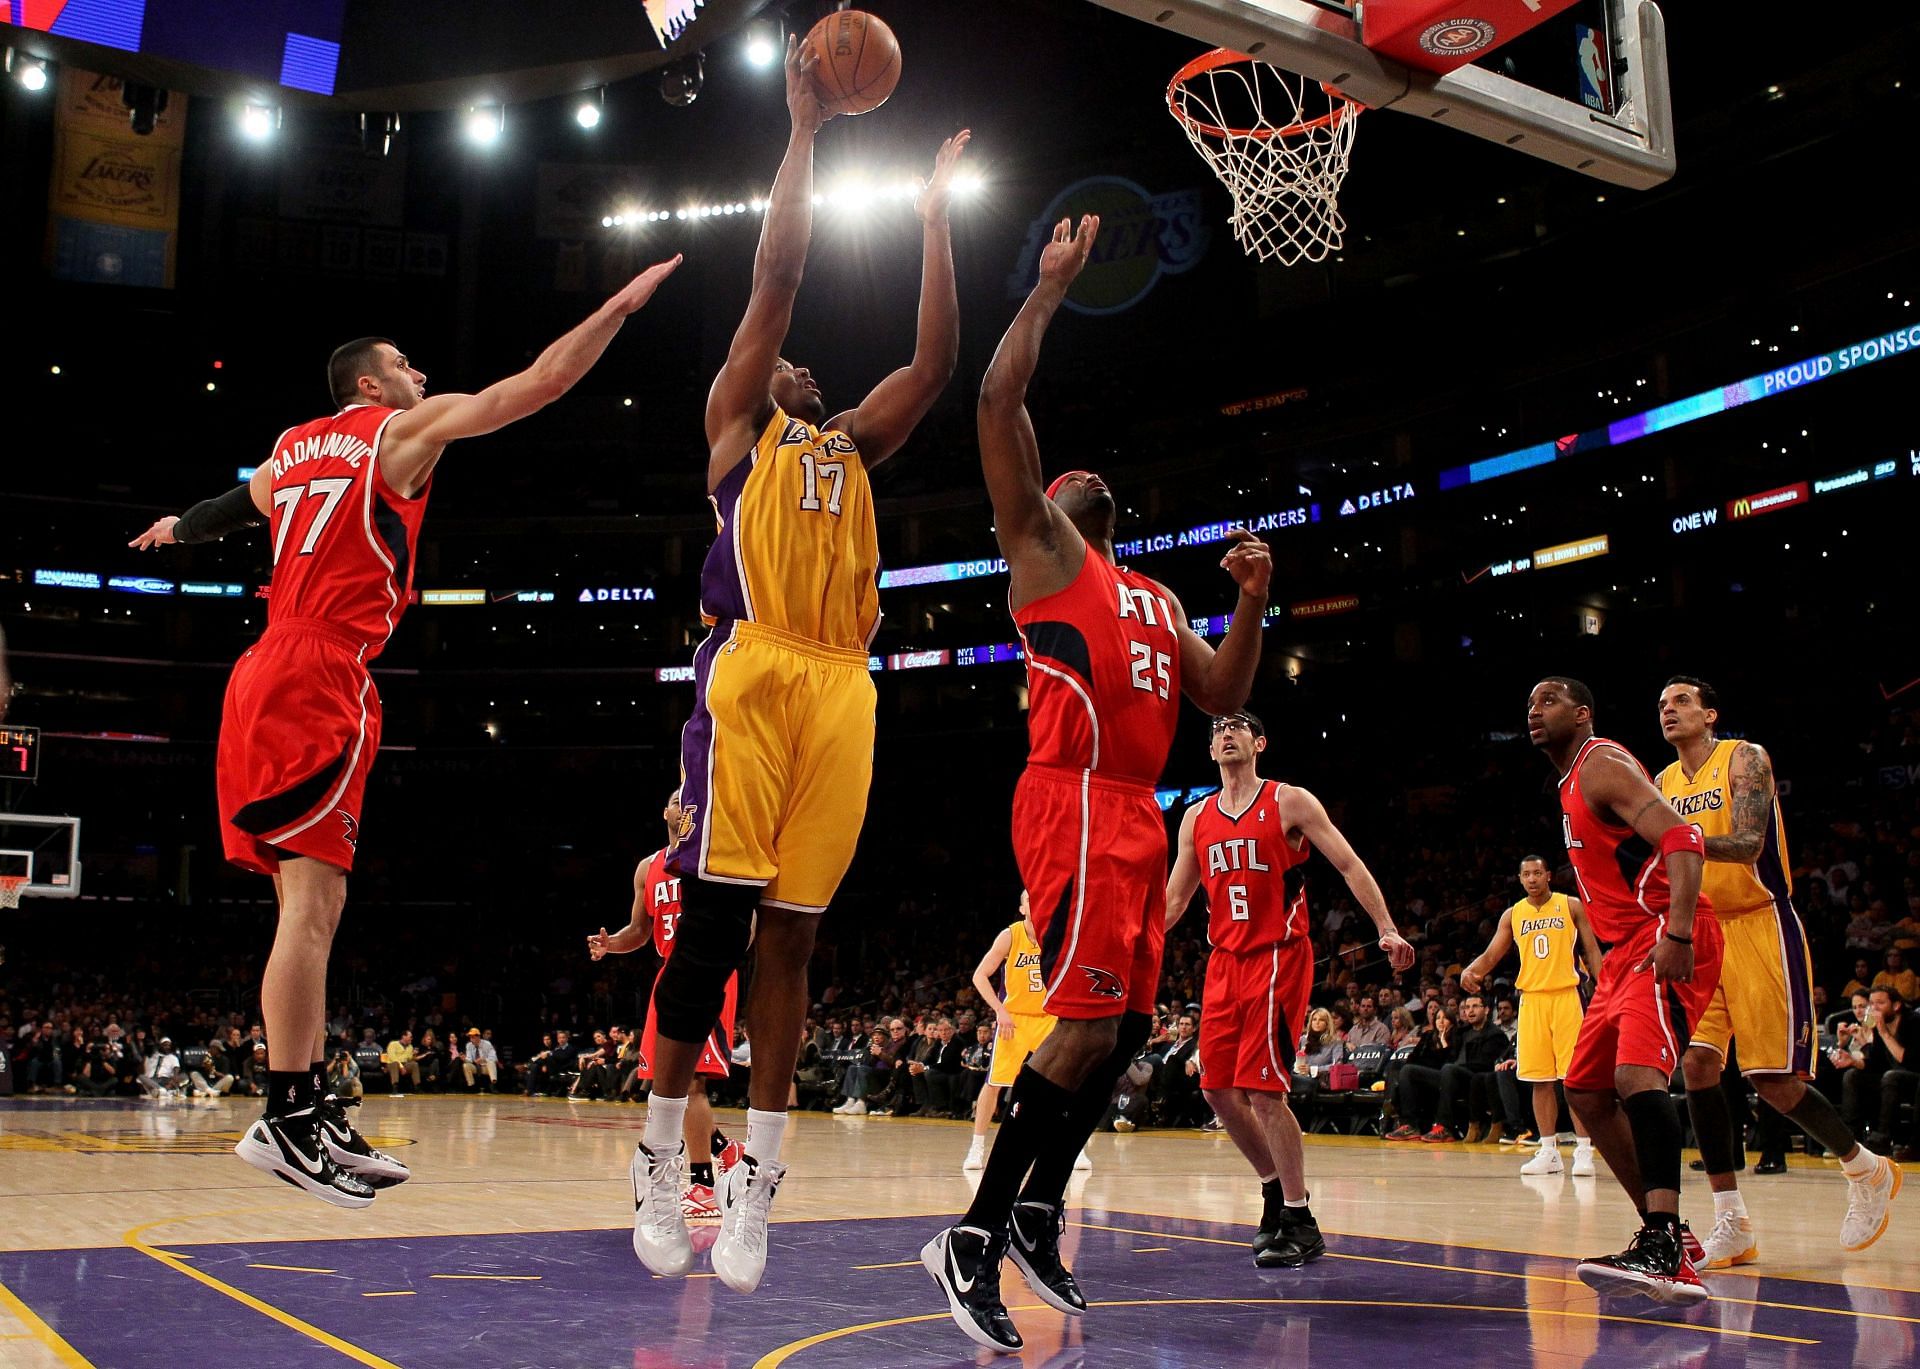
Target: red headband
(1062, 479)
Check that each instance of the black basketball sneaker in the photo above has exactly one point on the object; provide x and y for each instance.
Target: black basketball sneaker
(1655, 1265)
(965, 1262)
(1035, 1230)
(1272, 1203)
(350, 1149)
(290, 1149)
(1296, 1241)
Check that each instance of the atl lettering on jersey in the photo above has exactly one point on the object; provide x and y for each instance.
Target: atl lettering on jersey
(1254, 877)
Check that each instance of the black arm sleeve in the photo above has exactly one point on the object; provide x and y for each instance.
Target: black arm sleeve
(212, 519)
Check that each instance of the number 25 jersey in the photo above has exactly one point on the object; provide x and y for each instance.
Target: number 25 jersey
(797, 550)
(1103, 674)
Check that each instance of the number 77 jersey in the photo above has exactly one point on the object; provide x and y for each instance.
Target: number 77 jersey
(1103, 674)
(343, 538)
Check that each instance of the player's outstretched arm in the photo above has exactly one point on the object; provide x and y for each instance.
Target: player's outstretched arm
(1472, 975)
(413, 441)
(1219, 680)
(1033, 534)
(1184, 878)
(1750, 776)
(240, 508)
(1301, 810)
(888, 416)
(994, 959)
(1615, 786)
(740, 403)
(1589, 943)
(632, 936)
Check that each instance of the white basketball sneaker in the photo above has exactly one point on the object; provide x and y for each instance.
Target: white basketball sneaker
(745, 1195)
(1583, 1160)
(1546, 1160)
(1730, 1242)
(976, 1155)
(660, 1236)
(1868, 1201)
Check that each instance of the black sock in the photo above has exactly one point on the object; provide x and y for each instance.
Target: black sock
(1713, 1129)
(1037, 1108)
(1818, 1118)
(1053, 1162)
(701, 1173)
(289, 1091)
(319, 1068)
(1656, 1139)
(718, 1142)
(1668, 1222)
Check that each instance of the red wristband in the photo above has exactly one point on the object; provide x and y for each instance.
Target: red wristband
(1685, 837)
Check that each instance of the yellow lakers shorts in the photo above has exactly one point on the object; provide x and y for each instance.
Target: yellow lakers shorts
(1765, 998)
(775, 764)
(1010, 1053)
(1549, 1029)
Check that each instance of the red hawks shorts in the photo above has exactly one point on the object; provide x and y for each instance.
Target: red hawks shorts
(297, 737)
(1251, 1015)
(1635, 1020)
(1093, 854)
(716, 1054)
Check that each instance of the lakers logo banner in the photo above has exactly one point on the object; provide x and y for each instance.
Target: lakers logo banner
(114, 211)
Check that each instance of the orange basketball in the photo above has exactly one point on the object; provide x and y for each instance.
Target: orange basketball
(859, 61)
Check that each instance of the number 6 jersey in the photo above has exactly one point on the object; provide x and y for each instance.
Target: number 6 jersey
(1255, 879)
(343, 538)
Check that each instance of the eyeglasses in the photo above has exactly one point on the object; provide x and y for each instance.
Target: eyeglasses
(1231, 725)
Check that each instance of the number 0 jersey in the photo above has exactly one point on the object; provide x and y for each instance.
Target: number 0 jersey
(1103, 674)
(1547, 940)
(661, 888)
(1256, 881)
(797, 550)
(1706, 801)
(343, 538)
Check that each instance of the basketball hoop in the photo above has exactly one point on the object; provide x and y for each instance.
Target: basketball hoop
(10, 887)
(1279, 143)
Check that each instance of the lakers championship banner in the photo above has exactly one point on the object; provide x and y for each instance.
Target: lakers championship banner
(114, 211)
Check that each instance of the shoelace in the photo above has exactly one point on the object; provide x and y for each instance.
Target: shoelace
(751, 1235)
(1726, 1226)
(1860, 1192)
(666, 1184)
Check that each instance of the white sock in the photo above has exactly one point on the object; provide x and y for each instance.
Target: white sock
(1551, 1143)
(1580, 1142)
(979, 1142)
(1295, 1202)
(765, 1132)
(1729, 1202)
(1863, 1165)
(666, 1118)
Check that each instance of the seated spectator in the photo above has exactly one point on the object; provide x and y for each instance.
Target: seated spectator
(1881, 1073)
(1862, 981)
(887, 1075)
(1403, 1029)
(1319, 1047)
(975, 1063)
(1367, 1028)
(480, 1061)
(595, 1065)
(1413, 1083)
(1175, 1090)
(936, 1076)
(218, 1069)
(343, 1076)
(1850, 1016)
(253, 1071)
(399, 1060)
(431, 1064)
(160, 1076)
(45, 1065)
(1897, 975)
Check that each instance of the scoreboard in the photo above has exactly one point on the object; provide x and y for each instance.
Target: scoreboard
(19, 753)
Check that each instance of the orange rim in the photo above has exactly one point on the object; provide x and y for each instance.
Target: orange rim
(1220, 57)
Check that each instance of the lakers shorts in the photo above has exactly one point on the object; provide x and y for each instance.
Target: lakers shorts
(775, 764)
(1011, 1052)
(1549, 1027)
(1765, 998)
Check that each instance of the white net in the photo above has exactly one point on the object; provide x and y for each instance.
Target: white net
(10, 890)
(1279, 142)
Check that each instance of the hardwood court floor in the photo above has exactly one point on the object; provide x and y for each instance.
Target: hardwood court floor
(130, 1235)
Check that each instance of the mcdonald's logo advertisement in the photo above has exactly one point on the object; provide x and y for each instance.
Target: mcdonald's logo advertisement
(1769, 501)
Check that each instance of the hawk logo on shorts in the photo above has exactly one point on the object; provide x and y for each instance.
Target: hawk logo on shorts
(1103, 983)
(352, 824)
(685, 829)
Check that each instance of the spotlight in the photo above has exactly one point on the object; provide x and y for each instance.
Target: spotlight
(761, 49)
(680, 83)
(484, 124)
(587, 115)
(30, 72)
(258, 122)
(145, 104)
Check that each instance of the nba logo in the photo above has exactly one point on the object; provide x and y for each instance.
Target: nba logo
(1596, 75)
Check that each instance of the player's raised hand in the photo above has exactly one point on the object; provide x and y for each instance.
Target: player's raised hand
(1066, 253)
(640, 289)
(1670, 960)
(1250, 563)
(803, 97)
(159, 535)
(1400, 954)
(931, 198)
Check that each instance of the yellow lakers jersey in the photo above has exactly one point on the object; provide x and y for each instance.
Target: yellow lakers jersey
(1548, 940)
(1706, 800)
(797, 550)
(1026, 991)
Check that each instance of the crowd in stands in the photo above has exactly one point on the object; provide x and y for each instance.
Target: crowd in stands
(899, 1030)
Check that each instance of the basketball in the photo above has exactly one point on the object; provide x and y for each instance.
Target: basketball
(859, 61)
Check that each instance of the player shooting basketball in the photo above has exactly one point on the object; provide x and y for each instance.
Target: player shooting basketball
(778, 754)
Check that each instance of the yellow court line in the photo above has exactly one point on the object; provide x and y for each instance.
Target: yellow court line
(897, 1264)
(490, 1278)
(293, 1268)
(266, 1309)
(1150, 1249)
(41, 1332)
(773, 1359)
(403, 1293)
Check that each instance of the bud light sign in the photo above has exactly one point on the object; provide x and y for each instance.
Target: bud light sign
(1143, 236)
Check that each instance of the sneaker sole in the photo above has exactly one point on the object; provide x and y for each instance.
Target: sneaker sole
(1678, 1294)
(933, 1258)
(268, 1160)
(381, 1173)
(1747, 1256)
(1614, 1283)
(1039, 1286)
(1886, 1218)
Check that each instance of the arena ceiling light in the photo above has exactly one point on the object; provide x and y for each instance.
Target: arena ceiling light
(761, 48)
(485, 123)
(587, 113)
(30, 72)
(259, 122)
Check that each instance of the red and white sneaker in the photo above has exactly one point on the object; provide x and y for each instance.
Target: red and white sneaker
(729, 1155)
(1691, 1244)
(1654, 1266)
(699, 1202)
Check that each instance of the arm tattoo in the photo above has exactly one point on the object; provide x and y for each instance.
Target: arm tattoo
(1752, 809)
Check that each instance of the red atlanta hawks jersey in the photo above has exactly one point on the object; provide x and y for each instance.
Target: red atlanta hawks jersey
(1623, 880)
(662, 888)
(1255, 880)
